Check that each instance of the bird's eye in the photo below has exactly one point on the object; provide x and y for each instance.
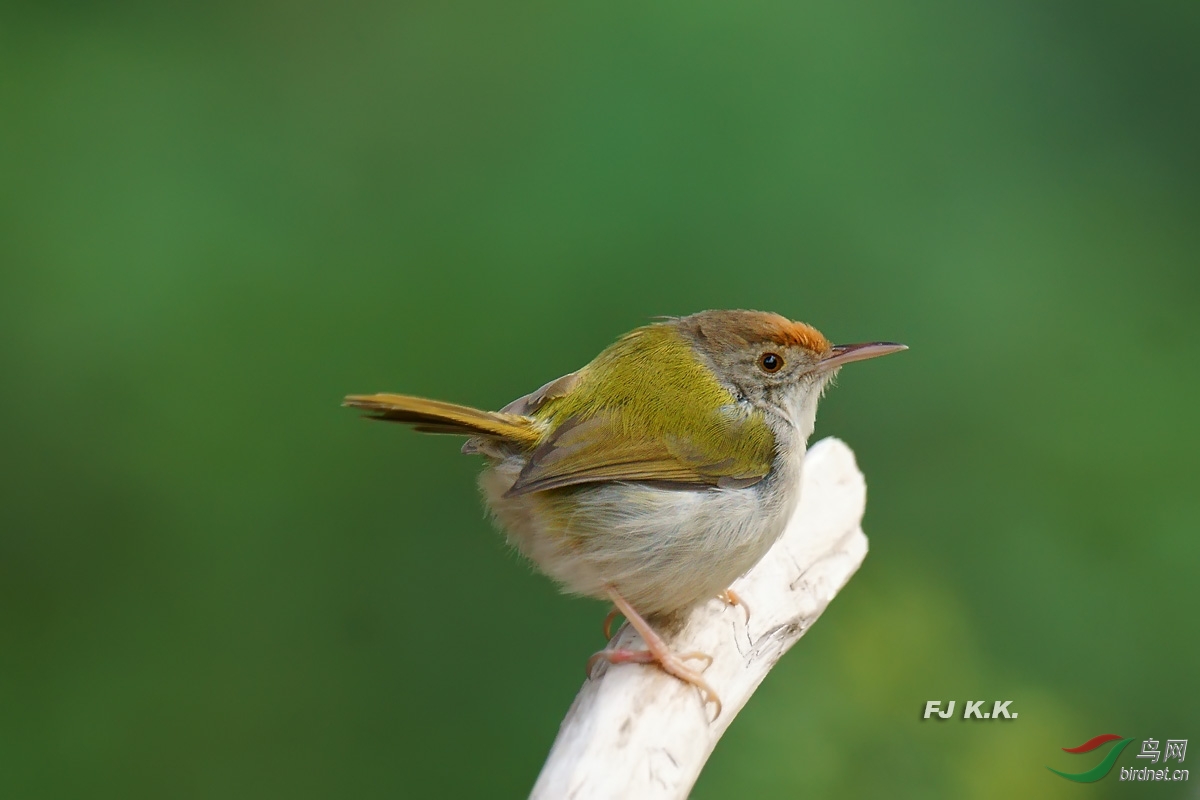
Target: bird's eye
(770, 362)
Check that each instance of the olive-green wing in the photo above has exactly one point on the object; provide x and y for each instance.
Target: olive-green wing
(624, 417)
(598, 449)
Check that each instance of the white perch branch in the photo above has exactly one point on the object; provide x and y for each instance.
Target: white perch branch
(634, 731)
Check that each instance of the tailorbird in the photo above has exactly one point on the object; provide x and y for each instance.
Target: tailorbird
(660, 472)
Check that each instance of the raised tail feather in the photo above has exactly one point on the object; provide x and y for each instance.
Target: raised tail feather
(434, 416)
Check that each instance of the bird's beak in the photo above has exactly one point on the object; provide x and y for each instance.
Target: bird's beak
(845, 353)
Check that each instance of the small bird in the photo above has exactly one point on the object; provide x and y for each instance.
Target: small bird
(660, 472)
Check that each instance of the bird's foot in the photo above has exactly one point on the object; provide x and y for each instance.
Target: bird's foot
(608, 621)
(656, 652)
(671, 663)
(734, 599)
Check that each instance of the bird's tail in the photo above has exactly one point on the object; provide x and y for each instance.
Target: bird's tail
(434, 416)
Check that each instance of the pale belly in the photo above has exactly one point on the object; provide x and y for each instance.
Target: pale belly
(664, 550)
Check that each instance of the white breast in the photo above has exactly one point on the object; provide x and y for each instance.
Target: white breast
(663, 549)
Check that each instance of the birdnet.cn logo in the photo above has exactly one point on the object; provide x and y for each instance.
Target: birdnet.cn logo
(1152, 769)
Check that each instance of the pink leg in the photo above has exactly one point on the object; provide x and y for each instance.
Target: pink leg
(656, 652)
(734, 599)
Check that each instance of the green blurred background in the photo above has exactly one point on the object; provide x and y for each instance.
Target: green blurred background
(217, 220)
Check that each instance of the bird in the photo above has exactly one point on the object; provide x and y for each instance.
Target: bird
(657, 474)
